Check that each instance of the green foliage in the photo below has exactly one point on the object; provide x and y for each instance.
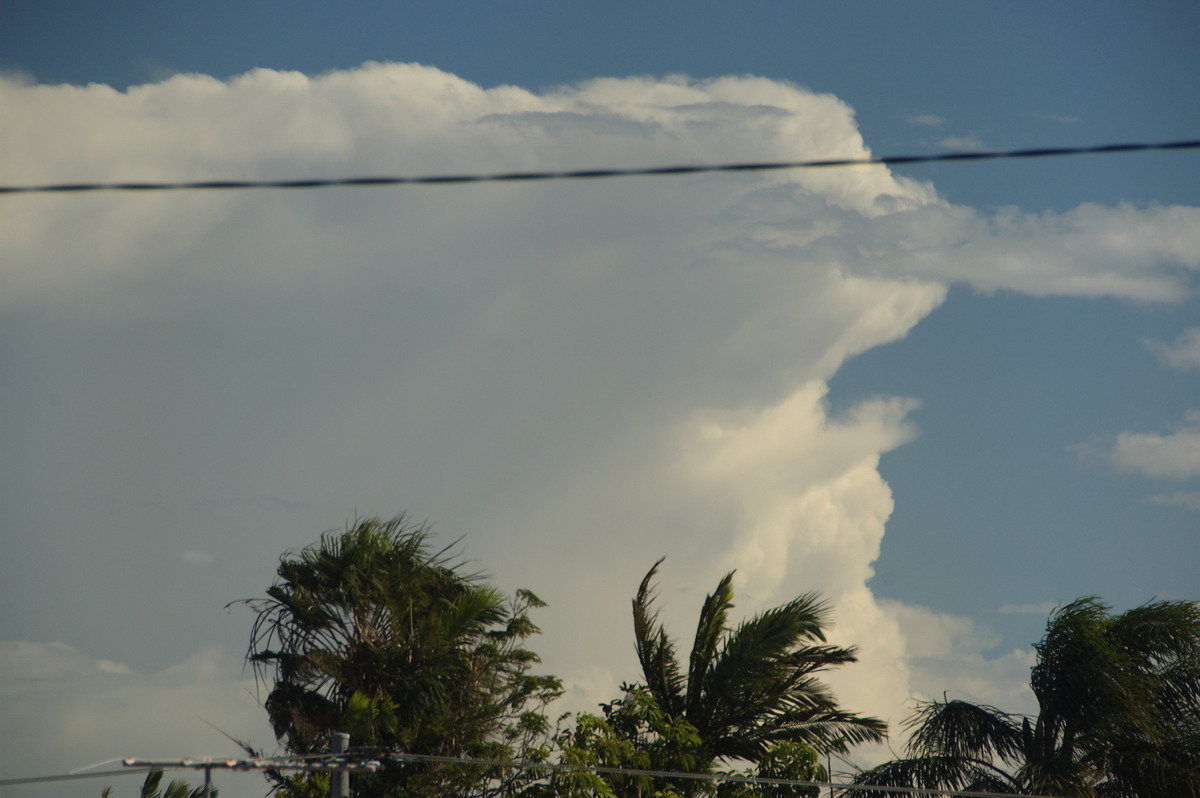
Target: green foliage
(176, 789)
(1118, 715)
(784, 761)
(753, 685)
(636, 734)
(749, 694)
(633, 734)
(372, 633)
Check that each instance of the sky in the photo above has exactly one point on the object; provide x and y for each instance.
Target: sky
(949, 397)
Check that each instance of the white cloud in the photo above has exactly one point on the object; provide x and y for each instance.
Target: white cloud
(1183, 353)
(1174, 455)
(580, 377)
(954, 655)
(1091, 251)
(1189, 500)
(1182, 498)
(198, 558)
(65, 711)
(960, 143)
(1062, 119)
(926, 120)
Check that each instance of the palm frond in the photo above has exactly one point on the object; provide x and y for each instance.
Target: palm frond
(948, 773)
(711, 627)
(655, 651)
(961, 730)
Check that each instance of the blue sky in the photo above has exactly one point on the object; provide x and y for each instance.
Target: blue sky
(998, 362)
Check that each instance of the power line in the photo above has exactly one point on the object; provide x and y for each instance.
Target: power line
(711, 777)
(71, 776)
(592, 174)
(323, 763)
(342, 763)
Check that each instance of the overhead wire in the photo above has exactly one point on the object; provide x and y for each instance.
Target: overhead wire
(593, 174)
(99, 774)
(339, 762)
(710, 777)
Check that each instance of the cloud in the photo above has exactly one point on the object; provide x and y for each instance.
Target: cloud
(1144, 254)
(1189, 500)
(1174, 455)
(926, 120)
(1062, 119)
(961, 143)
(955, 655)
(1183, 353)
(72, 710)
(198, 558)
(579, 377)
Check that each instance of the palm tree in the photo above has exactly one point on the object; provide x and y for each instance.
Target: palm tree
(1118, 715)
(747, 688)
(370, 632)
(176, 789)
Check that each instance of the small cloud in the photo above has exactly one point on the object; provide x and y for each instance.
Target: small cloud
(1182, 354)
(928, 120)
(1185, 499)
(960, 143)
(1061, 119)
(1042, 608)
(1175, 455)
(198, 558)
(111, 666)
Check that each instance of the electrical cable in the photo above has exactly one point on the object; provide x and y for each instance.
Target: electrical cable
(339, 763)
(71, 776)
(712, 777)
(320, 763)
(592, 174)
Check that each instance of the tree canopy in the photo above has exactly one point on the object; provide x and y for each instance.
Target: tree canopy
(752, 685)
(748, 694)
(373, 633)
(1118, 715)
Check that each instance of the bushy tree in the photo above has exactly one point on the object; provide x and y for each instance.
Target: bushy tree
(374, 633)
(1118, 715)
(624, 752)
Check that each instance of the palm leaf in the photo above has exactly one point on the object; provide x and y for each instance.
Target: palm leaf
(655, 651)
(933, 773)
(709, 631)
(965, 731)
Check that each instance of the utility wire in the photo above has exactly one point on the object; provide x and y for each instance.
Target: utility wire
(320, 763)
(340, 763)
(712, 777)
(591, 174)
(71, 776)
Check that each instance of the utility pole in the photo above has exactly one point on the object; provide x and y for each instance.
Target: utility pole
(339, 780)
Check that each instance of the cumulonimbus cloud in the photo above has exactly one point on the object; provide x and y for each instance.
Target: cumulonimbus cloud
(580, 377)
